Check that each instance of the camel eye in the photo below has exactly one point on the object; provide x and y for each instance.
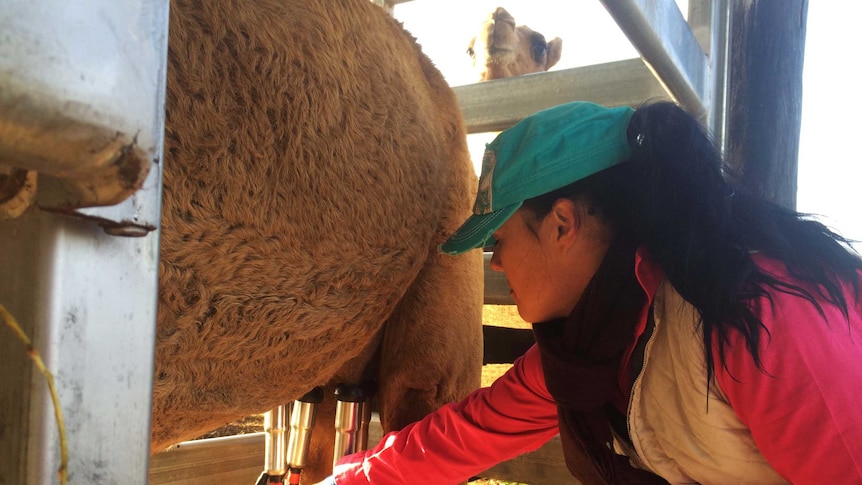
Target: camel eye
(471, 52)
(539, 47)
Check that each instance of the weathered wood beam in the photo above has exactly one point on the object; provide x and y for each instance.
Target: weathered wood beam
(765, 112)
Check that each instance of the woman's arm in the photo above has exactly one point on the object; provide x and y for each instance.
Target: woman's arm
(513, 416)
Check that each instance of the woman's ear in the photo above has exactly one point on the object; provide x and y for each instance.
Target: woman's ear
(565, 218)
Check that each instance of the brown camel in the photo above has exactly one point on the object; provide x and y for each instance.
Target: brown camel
(503, 49)
(314, 159)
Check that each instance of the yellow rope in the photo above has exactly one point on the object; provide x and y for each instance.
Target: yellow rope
(58, 413)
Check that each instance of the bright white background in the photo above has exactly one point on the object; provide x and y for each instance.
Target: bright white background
(830, 179)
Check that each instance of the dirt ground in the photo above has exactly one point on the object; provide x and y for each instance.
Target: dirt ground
(251, 424)
(483, 481)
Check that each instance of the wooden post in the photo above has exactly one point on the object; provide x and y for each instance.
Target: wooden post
(765, 109)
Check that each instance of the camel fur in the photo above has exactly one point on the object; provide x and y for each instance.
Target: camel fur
(503, 49)
(314, 160)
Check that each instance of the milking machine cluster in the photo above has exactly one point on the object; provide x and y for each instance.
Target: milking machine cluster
(287, 442)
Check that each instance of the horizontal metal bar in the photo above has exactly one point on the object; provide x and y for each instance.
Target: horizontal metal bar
(499, 104)
(232, 459)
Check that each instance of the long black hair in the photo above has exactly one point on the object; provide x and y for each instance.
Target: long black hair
(676, 197)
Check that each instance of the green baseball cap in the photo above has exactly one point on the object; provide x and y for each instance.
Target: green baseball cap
(543, 152)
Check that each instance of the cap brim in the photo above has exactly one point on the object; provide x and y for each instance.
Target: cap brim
(477, 230)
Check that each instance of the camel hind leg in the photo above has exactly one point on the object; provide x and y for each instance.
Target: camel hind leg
(432, 343)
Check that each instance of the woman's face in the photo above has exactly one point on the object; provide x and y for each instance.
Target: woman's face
(532, 268)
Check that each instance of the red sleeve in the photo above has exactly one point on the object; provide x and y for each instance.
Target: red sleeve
(513, 416)
(803, 408)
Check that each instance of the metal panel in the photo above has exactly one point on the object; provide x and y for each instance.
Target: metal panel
(491, 106)
(87, 299)
(660, 33)
(81, 86)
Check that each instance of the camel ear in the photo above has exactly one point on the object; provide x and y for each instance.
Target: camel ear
(555, 50)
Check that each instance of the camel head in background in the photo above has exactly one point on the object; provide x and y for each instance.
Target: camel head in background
(503, 49)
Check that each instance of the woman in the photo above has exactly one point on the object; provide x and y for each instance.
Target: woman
(687, 332)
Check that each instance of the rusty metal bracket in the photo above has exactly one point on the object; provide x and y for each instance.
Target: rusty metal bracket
(83, 115)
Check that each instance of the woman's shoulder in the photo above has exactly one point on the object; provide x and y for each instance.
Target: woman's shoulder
(808, 352)
(798, 320)
(797, 296)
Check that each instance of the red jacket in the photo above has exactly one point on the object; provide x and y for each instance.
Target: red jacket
(805, 415)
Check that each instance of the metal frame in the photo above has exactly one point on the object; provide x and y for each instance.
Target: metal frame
(81, 83)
